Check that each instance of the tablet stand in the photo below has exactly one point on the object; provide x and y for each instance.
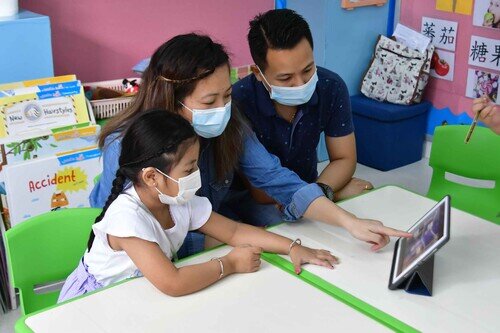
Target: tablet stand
(420, 281)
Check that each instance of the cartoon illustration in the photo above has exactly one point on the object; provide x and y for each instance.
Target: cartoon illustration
(486, 84)
(59, 200)
(27, 147)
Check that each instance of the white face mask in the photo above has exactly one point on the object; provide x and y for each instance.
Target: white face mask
(293, 96)
(187, 188)
(210, 123)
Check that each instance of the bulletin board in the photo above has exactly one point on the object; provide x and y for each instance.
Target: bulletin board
(468, 41)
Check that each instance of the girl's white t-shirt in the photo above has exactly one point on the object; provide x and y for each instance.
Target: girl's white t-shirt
(127, 216)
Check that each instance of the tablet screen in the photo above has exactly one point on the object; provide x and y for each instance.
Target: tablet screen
(428, 232)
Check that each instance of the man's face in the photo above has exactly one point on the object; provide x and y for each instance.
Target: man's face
(289, 68)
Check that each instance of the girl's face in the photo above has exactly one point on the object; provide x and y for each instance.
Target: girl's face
(186, 166)
(211, 92)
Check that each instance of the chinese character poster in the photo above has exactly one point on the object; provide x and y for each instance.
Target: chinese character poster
(484, 52)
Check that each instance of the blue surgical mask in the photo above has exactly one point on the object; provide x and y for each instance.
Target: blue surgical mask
(293, 96)
(210, 123)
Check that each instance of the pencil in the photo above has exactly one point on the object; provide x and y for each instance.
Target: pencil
(472, 126)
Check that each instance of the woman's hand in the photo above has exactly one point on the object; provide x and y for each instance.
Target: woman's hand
(374, 232)
(243, 259)
(303, 255)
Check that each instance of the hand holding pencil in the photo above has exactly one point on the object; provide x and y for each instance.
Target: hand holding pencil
(488, 112)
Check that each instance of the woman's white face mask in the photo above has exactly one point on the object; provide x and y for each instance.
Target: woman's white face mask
(210, 123)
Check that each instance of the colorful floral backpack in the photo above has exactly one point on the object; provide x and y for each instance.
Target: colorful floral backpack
(397, 74)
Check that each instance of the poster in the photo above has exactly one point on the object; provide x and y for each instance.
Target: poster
(443, 34)
(52, 183)
(481, 83)
(487, 14)
(443, 65)
(484, 52)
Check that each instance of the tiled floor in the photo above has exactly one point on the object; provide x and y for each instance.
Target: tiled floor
(8, 320)
(415, 177)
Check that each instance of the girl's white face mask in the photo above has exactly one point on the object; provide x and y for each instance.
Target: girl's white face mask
(188, 186)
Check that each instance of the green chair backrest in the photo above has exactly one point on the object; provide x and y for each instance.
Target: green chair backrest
(479, 159)
(45, 249)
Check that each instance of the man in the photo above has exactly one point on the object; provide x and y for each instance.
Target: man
(290, 102)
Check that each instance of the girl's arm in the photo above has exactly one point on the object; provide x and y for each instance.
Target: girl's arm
(238, 234)
(173, 281)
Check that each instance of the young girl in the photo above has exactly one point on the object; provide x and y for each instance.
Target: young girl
(150, 210)
(189, 75)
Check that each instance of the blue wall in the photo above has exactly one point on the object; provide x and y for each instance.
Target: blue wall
(344, 39)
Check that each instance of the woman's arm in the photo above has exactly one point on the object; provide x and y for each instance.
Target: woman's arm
(264, 171)
(370, 231)
(301, 199)
(110, 156)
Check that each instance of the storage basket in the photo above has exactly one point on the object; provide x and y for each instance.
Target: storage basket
(107, 108)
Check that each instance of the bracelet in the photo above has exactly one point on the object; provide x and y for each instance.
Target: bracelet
(221, 267)
(292, 244)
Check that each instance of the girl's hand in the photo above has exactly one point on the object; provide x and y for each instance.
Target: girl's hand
(303, 255)
(374, 232)
(244, 259)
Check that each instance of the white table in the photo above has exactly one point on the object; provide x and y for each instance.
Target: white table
(466, 294)
(270, 300)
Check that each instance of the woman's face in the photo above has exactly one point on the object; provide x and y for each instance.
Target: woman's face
(211, 92)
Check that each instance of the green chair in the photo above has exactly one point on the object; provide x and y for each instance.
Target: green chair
(45, 249)
(96, 178)
(479, 159)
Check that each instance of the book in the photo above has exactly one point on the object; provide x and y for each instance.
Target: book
(61, 181)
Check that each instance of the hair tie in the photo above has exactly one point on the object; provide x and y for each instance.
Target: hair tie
(209, 71)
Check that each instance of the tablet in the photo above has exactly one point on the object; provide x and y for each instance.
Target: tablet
(430, 233)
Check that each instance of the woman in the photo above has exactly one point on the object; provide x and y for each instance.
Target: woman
(190, 75)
